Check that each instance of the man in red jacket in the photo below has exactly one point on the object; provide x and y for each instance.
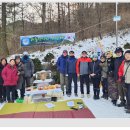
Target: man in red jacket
(10, 77)
(124, 76)
(82, 70)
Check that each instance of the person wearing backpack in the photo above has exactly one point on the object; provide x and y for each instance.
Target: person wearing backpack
(124, 76)
(28, 68)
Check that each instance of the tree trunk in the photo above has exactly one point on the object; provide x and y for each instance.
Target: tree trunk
(59, 26)
(4, 48)
(22, 19)
(69, 17)
(43, 16)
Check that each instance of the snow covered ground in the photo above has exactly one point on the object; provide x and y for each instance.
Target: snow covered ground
(107, 43)
(101, 108)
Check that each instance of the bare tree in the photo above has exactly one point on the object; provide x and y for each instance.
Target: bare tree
(4, 48)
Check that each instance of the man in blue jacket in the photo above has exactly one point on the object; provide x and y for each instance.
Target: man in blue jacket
(62, 68)
(72, 75)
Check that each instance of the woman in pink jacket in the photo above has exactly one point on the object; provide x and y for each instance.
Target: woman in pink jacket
(10, 77)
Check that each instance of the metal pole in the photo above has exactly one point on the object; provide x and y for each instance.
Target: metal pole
(116, 25)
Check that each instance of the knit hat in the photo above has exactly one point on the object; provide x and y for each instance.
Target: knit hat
(109, 52)
(95, 55)
(17, 57)
(103, 56)
(84, 52)
(128, 51)
(25, 53)
(71, 52)
(65, 51)
(118, 49)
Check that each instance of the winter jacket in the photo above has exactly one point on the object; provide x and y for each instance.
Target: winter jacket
(104, 69)
(95, 68)
(20, 68)
(28, 66)
(62, 64)
(110, 63)
(71, 65)
(117, 64)
(1, 79)
(122, 71)
(82, 65)
(10, 75)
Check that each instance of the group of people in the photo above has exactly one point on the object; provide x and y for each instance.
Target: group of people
(112, 73)
(15, 75)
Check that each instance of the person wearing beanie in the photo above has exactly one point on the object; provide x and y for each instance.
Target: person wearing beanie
(95, 74)
(3, 64)
(62, 68)
(71, 70)
(20, 85)
(28, 67)
(10, 77)
(124, 76)
(82, 70)
(118, 60)
(104, 75)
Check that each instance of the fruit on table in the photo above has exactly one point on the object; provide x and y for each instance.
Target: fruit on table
(50, 87)
(40, 88)
(28, 89)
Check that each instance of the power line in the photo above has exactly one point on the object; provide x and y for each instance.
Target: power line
(93, 25)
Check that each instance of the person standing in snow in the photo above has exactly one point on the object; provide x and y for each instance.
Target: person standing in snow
(28, 67)
(10, 77)
(104, 73)
(117, 63)
(95, 74)
(71, 70)
(112, 88)
(3, 63)
(62, 68)
(82, 70)
(20, 68)
(124, 76)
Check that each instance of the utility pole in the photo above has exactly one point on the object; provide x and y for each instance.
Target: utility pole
(116, 25)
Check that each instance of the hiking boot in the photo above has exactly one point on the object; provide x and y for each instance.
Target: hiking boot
(1, 100)
(4, 99)
(122, 104)
(114, 102)
(97, 97)
(127, 107)
(128, 111)
(103, 96)
(88, 95)
(76, 95)
(82, 95)
(106, 96)
(69, 95)
(94, 97)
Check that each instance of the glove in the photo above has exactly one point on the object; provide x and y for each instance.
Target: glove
(66, 75)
